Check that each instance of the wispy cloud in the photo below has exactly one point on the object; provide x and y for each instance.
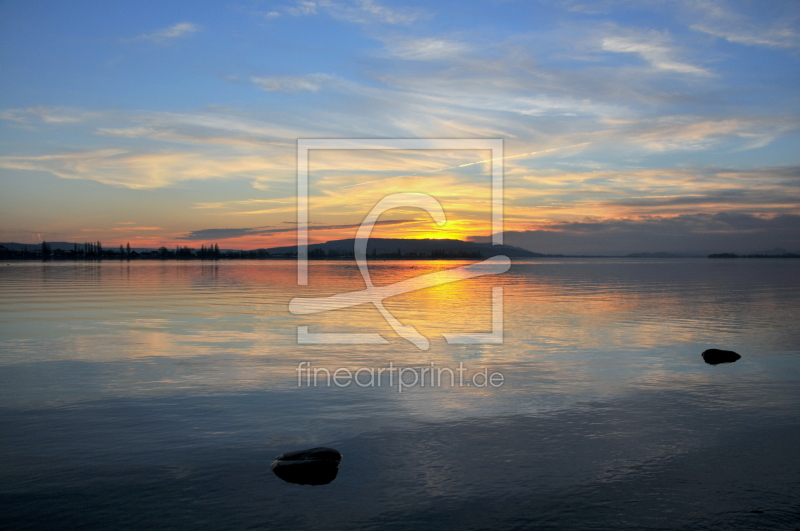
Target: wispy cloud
(223, 144)
(301, 8)
(652, 46)
(572, 195)
(125, 229)
(425, 49)
(146, 170)
(722, 21)
(173, 32)
(244, 202)
(356, 11)
(672, 133)
(220, 128)
(366, 11)
(291, 84)
(48, 115)
(773, 37)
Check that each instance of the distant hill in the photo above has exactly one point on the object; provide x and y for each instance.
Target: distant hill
(394, 248)
(777, 251)
(381, 247)
(410, 248)
(759, 255)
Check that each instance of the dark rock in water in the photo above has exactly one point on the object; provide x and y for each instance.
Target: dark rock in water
(313, 454)
(306, 472)
(315, 466)
(715, 356)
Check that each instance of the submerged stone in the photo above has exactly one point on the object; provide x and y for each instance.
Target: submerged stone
(714, 356)
(315, 466)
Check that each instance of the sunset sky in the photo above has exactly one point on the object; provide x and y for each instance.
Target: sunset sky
(628, 125)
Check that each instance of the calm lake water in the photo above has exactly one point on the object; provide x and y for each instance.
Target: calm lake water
(156, 394)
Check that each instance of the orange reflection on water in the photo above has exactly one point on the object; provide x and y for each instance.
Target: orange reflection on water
(565, 317)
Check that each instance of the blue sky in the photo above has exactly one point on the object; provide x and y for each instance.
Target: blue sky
(154, 123)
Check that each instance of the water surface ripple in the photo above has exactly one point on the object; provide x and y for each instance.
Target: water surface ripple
(155, 395)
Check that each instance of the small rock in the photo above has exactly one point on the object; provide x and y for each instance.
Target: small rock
(714, 356)
(315, 466)
(313, 454)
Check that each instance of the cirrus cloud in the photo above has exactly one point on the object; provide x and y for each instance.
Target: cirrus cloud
(175, 31)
